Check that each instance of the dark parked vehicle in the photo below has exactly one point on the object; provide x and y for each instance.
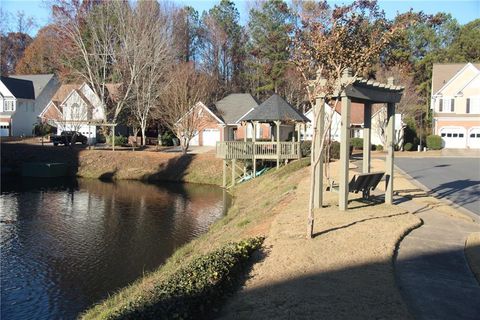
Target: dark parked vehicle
(66, 138)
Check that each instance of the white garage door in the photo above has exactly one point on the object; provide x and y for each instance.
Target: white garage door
(210, 137)
(194, 141)
(453, 137)
(4, 128)
(474, 138)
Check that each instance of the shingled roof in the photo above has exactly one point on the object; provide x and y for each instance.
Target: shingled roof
(21, 89)
(274, 108)
(234, 106)
(39, 81)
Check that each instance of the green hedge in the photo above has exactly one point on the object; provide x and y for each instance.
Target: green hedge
(194, 290)
(434, 142)
(119, 140)
(306, 148)
(409, 146)
(357, 143)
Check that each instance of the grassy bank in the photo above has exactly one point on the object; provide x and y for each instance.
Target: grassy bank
(250, 215)
(106, 164)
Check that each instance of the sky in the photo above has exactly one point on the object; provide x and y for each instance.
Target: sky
(462, 10)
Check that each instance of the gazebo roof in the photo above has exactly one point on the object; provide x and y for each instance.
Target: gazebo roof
(274, 108)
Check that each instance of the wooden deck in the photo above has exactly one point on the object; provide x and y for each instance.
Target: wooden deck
(230, 150)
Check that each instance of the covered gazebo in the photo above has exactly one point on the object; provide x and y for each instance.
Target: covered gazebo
(276, 111)
(367, 92)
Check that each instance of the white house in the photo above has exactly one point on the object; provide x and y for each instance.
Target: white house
(22, 99)
(75, 108)
(378, 123)
(455, 104)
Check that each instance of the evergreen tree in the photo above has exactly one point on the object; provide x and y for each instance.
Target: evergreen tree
(270, 29)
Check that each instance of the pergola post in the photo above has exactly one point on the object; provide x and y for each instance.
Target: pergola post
(367, 133)
(319, 127)
(277, 125)
(390, 153)
(344, 153)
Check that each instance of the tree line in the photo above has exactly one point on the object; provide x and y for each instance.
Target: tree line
(165, 58)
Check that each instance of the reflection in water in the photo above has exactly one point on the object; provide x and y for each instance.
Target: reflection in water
(68, 244)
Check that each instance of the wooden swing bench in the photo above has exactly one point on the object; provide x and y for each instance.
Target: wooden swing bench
(364, 182)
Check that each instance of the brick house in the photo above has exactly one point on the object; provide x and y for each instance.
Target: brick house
(219, 122)
(455, 104)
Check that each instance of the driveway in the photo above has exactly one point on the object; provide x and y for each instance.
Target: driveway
(455, 179)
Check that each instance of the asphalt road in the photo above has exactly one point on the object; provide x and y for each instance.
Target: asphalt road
(456, 179)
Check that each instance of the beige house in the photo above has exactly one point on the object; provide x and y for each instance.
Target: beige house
(455, 104)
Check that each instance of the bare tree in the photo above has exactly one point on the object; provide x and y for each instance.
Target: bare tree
(328, 42)
(181, 104)
(105, 43)
(150, 25)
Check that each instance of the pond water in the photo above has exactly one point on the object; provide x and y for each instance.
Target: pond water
(67, 244)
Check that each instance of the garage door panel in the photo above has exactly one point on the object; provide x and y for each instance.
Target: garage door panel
(210, 137)
(474, 138)
(453, 137)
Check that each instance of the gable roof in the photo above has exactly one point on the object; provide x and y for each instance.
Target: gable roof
(468, 83)
(274, 108)
(39, 81)
(203, 106)
(21, 89)
(443, 73)
(234, 106)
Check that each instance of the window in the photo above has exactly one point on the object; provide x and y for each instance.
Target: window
(460, 135)
(472, 135)
(478, 135)
(474, 105)
(449, 135)
(455, 135)
(446, 105)
(9, 105)
(443, 134)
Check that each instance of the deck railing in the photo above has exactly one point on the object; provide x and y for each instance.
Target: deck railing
(258, 150)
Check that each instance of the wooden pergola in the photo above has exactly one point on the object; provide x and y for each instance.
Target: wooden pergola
(367, 92)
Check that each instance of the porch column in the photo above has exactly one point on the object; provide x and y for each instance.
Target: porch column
(254, 139)
(299, 131)
(367, 132)
(277, 125)
(224, 184)
(234, 167)
(390, 153)
(344, 153)
(113, 138)
(318, 127)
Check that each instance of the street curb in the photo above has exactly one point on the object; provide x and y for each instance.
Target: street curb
(469, 213)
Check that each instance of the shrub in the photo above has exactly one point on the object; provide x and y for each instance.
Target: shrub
(192, 291)
(379, 147)
(43, 129)
(357, 143)
(306, 148)
(167, 138)
(434, 142)
(409, 146)
(335, 150)
(119, 140)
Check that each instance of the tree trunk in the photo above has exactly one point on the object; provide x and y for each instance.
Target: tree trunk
(143, 136)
